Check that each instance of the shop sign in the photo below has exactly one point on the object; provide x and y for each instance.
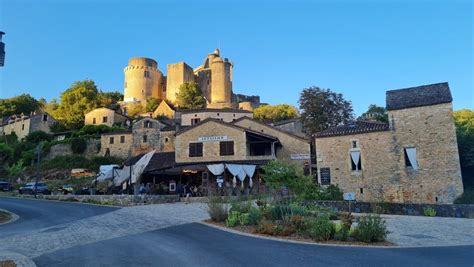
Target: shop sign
(300, 156)
(215, 138)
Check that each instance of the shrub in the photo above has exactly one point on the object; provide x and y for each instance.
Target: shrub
(267, 228)
(341, 231)
(370, 228)
(244, 219)
(298, 223)
(38, 136)
(78, 145)
(233, 219)
(240, 206)
(429, 211)
(320, 229)
(283, 212)
(216, 209)
(255, 216)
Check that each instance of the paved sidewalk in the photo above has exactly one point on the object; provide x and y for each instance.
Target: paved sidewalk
(416, 231)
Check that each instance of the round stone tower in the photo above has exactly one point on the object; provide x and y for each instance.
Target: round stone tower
(143, 79)
(221, 83)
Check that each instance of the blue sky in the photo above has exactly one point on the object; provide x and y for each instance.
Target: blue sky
(278, 47)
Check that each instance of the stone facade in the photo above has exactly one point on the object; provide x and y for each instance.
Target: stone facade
(143, 79)
(190, 117)
(294, 126)
(105, 116)
(165, 109)
(117, 144)
(386, 172)
(23, 125)
(294, 148)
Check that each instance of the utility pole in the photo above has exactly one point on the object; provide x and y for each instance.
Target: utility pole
(38, 166)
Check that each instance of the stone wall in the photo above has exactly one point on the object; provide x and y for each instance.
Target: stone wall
(291, 145)
(65, 150)
(431, 130)
(113, 200)
(149, 128)
(459, 210)
(138, 85)
(211, 150)
(120, 146)
(178, 73)
(384, 176)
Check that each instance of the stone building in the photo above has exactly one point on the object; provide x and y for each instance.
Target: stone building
(143, 79)
(187, 117)
(412, 159)
(105, 116)
(150, 134)
(22, 125)
(294, 126)
(117, 144)
(166, 109)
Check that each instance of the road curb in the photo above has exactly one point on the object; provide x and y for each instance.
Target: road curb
(54, 200)
(13, 215)
(315, 243)
(20, 260)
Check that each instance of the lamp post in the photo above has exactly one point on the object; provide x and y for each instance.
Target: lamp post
(38, 166)
(2, 50)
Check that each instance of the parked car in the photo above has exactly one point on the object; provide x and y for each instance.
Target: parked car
(66, 189)
(5, 186)
(29, 188)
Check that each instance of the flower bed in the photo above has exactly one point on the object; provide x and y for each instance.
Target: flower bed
(296, 222)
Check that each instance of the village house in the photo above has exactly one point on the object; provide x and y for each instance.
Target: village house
(188, 117)
(22, 125)
(106, 116)
(412, 159)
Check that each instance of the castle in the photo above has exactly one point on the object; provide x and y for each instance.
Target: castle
(143, 79)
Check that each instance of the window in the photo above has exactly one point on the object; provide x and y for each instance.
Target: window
(217, 114)
(410, 158)
(147, 124)
(354, 144)
(147, 74)
(195, 149)
(195, 121)
(145, 138)
(166, 139)
(22, 127)
(122, 139)
(361, 190)
(111, 140)
(104, 119)
(227, 148)
(356, 161)
(45, 117)
(93, 121)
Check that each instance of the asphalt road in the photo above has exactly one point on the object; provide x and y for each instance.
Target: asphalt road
(199, 245)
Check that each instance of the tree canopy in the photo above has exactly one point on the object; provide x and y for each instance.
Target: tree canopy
(134, 109)
(24, 103)
(323, 108)
(190, 96)
(80, 98)
(275, 113)
(151, 104)
(464, 120)
(376, 113)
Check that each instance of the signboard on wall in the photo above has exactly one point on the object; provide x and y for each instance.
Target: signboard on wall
(300, 156)
(215, 138)
(325, 176)
(349, 196)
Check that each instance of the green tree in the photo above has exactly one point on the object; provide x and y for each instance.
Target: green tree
(151, 104)
(80, 98)
(376, 113)
(24, 103)
(275, 113)
(464, 121)
(16, 168)
(38, 136)
(323, 108)
(190, 96)
(134, 109)
(110, 99)
(278, 174)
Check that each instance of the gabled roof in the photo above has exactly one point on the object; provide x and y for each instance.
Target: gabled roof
(274, 128)
(167, 103)
(231, 125)
(223, 110)
(286, 121)
(356, 127)
(119, 131)
(425, 95)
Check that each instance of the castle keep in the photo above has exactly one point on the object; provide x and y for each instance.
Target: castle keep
(143, 79)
